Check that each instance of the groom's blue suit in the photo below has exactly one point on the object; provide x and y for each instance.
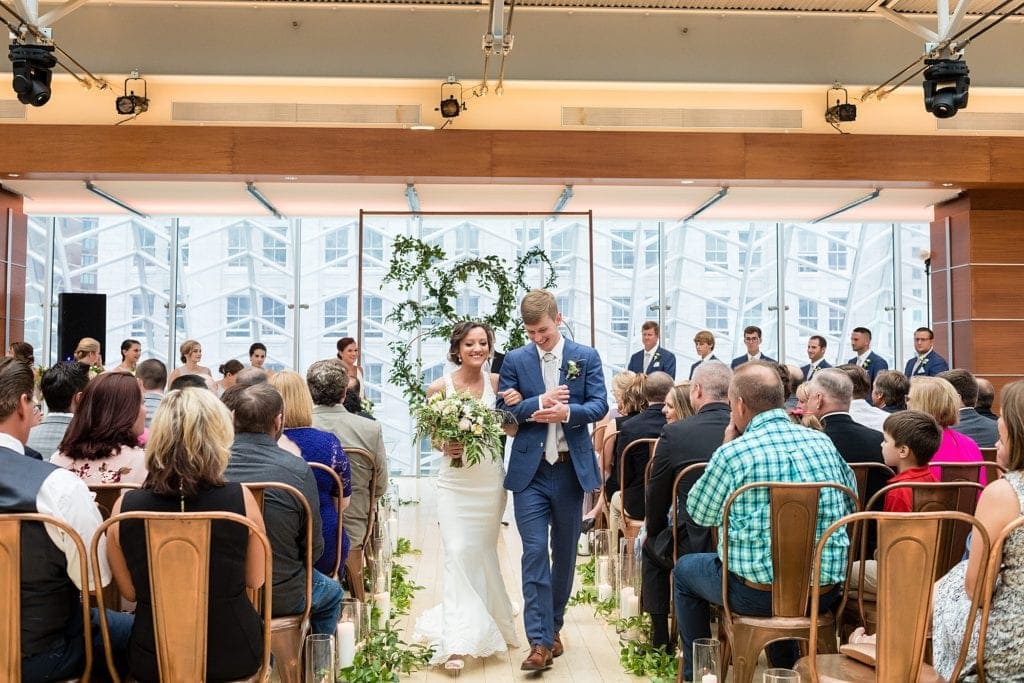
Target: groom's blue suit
(551, 496)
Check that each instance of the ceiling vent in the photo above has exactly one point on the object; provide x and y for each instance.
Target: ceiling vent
(11, 109)
(651, 117)
(974, 120)
(303, 112)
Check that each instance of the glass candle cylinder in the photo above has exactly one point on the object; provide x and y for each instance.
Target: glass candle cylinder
(707, 656)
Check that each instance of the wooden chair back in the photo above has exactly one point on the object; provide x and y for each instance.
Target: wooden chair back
(597, 439)
(969, 471)
(908, 548)
(320, 467)
(995, 568)
(634, 448)
(607, 452)
(988, 454)
(862, 472)
(287, 633)
(690, 469)
(357, 554)
(10, 585)
(107, 494)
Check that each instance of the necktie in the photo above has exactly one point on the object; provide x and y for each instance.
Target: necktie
(550, 381)
(647, 360)
(917, 365)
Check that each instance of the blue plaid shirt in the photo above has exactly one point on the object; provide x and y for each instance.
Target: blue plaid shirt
(772, 448)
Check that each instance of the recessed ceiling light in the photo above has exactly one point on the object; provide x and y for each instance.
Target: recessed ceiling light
(947, 184)
(686, 182)
(421, 126)
(13, 175)
(291, 177)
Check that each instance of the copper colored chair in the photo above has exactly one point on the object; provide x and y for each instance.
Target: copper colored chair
(358, 557)
(178, 545)
(862, 472)
(690, 469)
(10, 584)
(320, 467)
(287, 633)
(907, 551)
(107, 494)
(988, 454)
(969, 471)
(630, 527)
(995, 568)
(793, 510)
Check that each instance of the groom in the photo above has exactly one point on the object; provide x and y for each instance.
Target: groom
(552, 463)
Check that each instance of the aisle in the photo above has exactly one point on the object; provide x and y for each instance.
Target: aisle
(591, 647)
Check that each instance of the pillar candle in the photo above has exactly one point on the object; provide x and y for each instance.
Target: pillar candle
(346, 644)
(604, 591)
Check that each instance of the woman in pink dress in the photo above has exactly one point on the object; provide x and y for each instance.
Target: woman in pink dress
(938, 398)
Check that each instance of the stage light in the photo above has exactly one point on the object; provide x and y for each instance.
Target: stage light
(130, 104)
(945, 86)
(451, 106)
(31, 67)
(842, 111)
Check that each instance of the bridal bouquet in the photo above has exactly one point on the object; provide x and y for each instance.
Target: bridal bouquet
(460, 418)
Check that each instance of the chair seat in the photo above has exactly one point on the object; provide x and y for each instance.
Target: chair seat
(782, 623)
(842, 669)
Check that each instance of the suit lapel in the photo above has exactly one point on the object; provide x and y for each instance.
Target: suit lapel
(533, 366)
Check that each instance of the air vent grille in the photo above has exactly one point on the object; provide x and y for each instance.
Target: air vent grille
(302, 112)
(968, 120)
(651, 117)
(11, 109)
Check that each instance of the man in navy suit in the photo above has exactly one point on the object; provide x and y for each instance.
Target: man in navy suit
(860, 341)
(816, 346)
(927, 361)
(552, 463)
(752, 340)
(704, 342)
(653, 358)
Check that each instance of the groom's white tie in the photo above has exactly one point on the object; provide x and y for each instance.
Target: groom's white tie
(550, 381)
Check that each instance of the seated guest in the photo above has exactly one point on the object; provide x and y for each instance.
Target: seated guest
(189, 382)
(938, 398)
(229, 373)
(627, 391)
(52, 646)
(23, 351)
(187, 452)
(682, 443)
(799, 414)
(970, 423)
(258, 413)
(647, 424)
(704, 343)
(861, 409)
(316, 445)
(890, 391)
(677, 403)
(761, 444)
(101, 444)
(999, 504)
(752, 340)
(796, 378)
(354, 399)
(250, 376)
(986, 397)
(327, 380)
(62, 387)
(153, 375)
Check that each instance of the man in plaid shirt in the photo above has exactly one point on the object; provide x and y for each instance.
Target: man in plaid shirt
(761, 444)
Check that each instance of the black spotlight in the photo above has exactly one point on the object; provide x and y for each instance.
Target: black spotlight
(129, 103)
(31, 67)
(842, 111)
(451, 106)
(945, 86)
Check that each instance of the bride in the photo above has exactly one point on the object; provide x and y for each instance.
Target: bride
(475, 618)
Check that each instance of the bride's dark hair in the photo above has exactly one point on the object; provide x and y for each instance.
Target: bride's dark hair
(459, 332)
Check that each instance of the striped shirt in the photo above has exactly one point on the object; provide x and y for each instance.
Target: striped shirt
(772, 448)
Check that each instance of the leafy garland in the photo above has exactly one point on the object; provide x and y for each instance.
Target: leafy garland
(417, 263)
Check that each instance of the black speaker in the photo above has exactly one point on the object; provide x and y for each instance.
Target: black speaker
(80, 315)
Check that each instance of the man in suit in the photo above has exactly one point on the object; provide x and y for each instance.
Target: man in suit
(62, 386)
(752, 340)
(860, 341)
(890, 391)
(704, 342)
(981, 429)
(986, 396)
(653, 358)
(682, 443)
(927, 361)
(816, 346)
(551, 463)
(327, 381)
(861, 409)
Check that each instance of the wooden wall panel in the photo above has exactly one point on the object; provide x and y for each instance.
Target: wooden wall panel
(16, 311)
(937, 238)
(996, 291)
(961, 283)
(938, 287)
(996, 236)
(962, 355)
(996, 346)
(960, 238)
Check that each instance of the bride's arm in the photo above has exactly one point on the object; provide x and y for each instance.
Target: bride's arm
(509, 397)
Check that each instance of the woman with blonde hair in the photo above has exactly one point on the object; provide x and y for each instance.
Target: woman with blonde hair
(625, 406)
(316, 445)
(189, 444)
(677, 403)
(88, 352)
(938, 398)
(191, 354)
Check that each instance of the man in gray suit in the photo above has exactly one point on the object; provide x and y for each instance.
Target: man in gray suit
(327, 380)
(981, 429)
(62, 387)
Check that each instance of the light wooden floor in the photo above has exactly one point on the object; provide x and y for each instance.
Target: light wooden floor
(591, 647)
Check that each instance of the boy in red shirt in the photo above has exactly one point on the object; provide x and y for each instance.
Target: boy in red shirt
(911, 439)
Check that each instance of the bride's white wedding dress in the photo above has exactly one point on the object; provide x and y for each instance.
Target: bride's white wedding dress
(475, 617)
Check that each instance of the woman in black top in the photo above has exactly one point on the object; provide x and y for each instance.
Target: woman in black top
(186, 455)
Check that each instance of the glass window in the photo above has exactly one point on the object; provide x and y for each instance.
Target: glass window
(275, 249)
(146, 240)
(836, 315)
(373, 314)
(561, 249)
(238, 314)
(373, 247)
(808, 251)
(837, 250)
(238, 244)
(750, 248)
(467, 306)
(142, 308)
(335, 245)
(467, 240)
(620, 314)
(335, 316)
(716, 316)
(183, 242)
(372, 379)
(622, 248)
(272, 313)
(651, 248)
(715, 252)
(808, 315)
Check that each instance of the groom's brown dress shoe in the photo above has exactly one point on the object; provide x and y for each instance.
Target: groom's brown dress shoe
(539, 660)
(557, 648)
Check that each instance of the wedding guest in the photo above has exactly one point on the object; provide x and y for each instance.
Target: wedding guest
(250, 376)
(752, 340)
(62, 386)
(927, 361)
(628, 401)
(938, 398)
(101, 444)
(861, 409)
(816, 345)
(152, 373)
(860, 342)
(704, 342)
(986, 397)
(890, 391)
(189, 382)
(982, 430)
(353, 401)
(187, 452)
(677, 403)
(131, 351)
(191, 354)
(23, 351)
(348, 353)
(316, 445)
(229, 375)
(796, 378)
(653, 357)
(1000, 503)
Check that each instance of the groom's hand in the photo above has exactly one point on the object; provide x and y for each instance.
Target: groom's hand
(555, 413)
(559, 394)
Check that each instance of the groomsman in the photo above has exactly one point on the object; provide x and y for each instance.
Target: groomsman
(752, 340)
(928, 361)
(816, 346)
(653, 357)
(860, 341)
(704, 342)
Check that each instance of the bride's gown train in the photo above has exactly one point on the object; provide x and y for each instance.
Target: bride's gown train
(475, 617)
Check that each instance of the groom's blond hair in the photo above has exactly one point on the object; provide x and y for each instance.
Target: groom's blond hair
(536, 304)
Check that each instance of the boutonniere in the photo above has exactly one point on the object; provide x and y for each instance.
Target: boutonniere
(95, 370)
(572, 369)
(867, 362)
(656, 357)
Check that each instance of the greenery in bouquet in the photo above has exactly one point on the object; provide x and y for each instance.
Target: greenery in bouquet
(461, 419)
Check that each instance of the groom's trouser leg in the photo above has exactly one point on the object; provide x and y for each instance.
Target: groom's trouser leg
(533, 514)
(566, 521)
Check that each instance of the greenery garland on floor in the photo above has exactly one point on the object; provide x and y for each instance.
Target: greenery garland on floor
(636, 655)
(415, 263)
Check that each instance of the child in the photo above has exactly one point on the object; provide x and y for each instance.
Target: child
(911, 439)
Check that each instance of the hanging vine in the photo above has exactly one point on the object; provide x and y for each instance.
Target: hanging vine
(416, 263)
